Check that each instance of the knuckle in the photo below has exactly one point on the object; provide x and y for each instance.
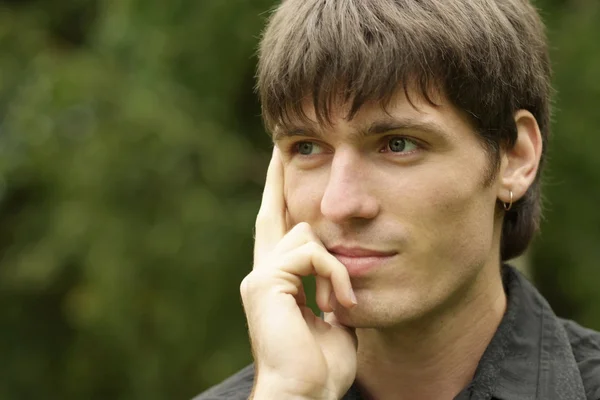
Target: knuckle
(262, 218)
(303, 228)
(244, 286)
(312, 250)
(255, 280)
(304, 232)
(248, 285)
(313, 247)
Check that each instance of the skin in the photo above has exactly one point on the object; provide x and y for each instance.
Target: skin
(423, 317)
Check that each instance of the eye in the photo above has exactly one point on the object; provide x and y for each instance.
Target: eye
(399, 144)
(306, 148)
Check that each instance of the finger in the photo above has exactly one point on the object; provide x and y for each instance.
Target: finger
(299, 235)
(309, 316)
(271, 219)
(324, 292)
(312, 257)
(301, 295)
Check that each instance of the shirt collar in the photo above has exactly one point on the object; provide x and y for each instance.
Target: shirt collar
(530, 356)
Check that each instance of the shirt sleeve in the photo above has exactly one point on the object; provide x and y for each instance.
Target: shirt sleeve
(236, 387)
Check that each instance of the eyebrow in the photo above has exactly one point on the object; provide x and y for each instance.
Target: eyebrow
(378, 127)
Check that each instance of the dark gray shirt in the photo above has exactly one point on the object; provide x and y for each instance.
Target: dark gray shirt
(533, 355)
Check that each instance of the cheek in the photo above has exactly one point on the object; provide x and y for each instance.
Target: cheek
(457, 189)
(460, 215)
(303, 193)
(447, 201)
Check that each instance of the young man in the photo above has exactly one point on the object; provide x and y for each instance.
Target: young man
(409, 137)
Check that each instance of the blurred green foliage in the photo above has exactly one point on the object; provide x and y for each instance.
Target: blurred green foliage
(566, 257)
(132, 159)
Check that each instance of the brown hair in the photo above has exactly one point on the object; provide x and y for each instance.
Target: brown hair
(489, 57)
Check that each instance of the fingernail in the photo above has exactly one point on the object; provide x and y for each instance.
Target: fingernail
(353, 297)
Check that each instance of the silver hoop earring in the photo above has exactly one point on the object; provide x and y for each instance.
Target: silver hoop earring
(508, 206)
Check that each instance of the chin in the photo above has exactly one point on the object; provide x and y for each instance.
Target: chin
(371, 319)
(387, 310)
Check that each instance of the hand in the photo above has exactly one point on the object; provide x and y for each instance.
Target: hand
(296, 353)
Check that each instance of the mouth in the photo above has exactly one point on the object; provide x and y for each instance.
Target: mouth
(360, 261)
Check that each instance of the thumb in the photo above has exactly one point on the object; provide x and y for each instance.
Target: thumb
(331, 319)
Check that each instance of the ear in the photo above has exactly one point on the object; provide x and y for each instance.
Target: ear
(520, 164)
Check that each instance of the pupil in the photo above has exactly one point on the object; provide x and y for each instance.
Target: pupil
(305, 148)
(397, 144)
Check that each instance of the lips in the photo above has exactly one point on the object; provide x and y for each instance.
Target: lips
(358, 252)
(360, 261)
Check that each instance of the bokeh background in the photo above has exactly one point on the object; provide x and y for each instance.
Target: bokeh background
(132, 157)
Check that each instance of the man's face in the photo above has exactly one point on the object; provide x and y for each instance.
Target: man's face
(410, 183)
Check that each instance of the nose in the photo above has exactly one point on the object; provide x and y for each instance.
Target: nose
(347, 194)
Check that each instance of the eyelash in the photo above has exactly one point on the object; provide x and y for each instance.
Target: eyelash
(293, 148)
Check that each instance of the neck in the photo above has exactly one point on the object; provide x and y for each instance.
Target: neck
(437, 357)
